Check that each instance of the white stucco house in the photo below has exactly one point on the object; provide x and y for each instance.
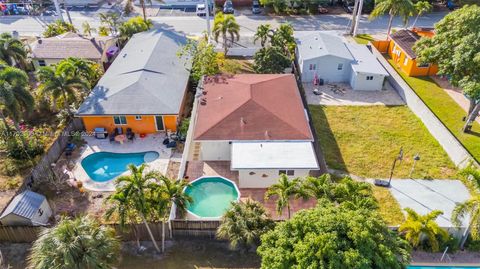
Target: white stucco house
(27, 209)
(330, 59)
(256, 122)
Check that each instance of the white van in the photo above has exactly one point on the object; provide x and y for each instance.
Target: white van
(201, 10)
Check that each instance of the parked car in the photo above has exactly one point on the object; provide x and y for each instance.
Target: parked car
(228, 7)
(256, 7)
(348, 6)
(201, 10)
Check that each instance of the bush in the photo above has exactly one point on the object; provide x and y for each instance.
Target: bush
(16, 149)
(472, 244)
(270, 60)
(57, 28)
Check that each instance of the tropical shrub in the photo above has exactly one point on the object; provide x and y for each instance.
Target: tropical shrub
(133, 26)
(57, 28)
(17, 150)
(270, 60)
(204, 59)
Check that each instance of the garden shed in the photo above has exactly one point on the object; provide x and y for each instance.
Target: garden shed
(27, 209)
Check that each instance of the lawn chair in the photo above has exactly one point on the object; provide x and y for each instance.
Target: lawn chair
(111, 137)
(118, 131)
(130, 134)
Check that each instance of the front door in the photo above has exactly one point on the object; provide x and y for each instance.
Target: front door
(159, 123)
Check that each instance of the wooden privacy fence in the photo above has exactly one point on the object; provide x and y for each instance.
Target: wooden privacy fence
(191, 228)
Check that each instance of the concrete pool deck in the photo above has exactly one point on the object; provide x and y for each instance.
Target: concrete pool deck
(149, 143)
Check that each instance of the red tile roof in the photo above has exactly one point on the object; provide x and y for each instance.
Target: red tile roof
(252, 107)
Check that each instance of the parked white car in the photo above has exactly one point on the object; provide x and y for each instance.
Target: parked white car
(201, 10)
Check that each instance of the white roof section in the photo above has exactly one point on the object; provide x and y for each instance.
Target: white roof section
(317, 44)
(273, 155)
(364, 60)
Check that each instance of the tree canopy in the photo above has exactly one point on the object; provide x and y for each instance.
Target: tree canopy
(270, 60)
(57, 28)
(205, 61)
(333, 236)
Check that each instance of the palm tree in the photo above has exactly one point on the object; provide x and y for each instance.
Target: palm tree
(87, 70)
(420, 8)
(418, 228)
(136, 188)
(244, 223)
(402, 8)
(109, 22)
(168, 193)
(88, 29)
(319, 187)
(227, 27)
(264, 33)
(15, 98)
(354, 194)
(284, 190)
(78, 243)
(12, 50)
(283, 38)
(471, 207)
(142, 3)
(60, 85)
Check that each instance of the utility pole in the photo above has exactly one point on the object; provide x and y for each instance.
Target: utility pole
(207, 8)
(59, 11)
(359, 14)
(398, 158)
(354, 17)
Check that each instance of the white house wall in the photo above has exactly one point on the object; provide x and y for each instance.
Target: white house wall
(360, 82)
(326, 69)
(263, 178)
(215, 151)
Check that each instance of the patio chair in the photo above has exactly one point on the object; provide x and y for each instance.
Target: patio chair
(119, 130)
(111, 137)
(130, 134)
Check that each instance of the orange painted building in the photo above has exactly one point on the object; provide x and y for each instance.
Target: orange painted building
(400, 50)
(144, 89)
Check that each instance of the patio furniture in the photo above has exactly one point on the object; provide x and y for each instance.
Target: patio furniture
(100, 133)
(317, 92)
(130, 134)
(118, 131)
(172, 144)
(111, 136)
(120, 138)
(69, 149)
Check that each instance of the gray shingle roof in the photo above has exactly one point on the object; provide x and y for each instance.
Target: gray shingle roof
(146, 78)
(25, 204)
(319, 44)
(365, 61)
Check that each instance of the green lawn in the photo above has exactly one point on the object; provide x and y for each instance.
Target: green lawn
(446, 109)
(365, 140)
(389, 207)
(363, 38)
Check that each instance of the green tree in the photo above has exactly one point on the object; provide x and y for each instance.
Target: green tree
(283, 191)
(420, 228)
(15, 97)
(88, 29)
(60, 86)
(331, 236)
(264, 33)
(137, 188)
(402, 8)
(456, 51)
(354, 194)
(12, 50)
(202, 55)
(133, 26)
(226, 26)
(57, 28)
(142, 3)
(319, 187)
(75, 244)
(421, 7)
(110, 22)
(283, 38)
(278, 5)
(270, 60)
(87, 70)
(128, 7)
(471, 207)
(244, 223)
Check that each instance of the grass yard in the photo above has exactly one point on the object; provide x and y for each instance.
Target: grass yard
(446, 109)
(237, 66)
(389, 209)
(365, 140)
(363, 39)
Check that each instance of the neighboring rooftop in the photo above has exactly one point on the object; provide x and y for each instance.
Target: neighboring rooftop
(24, 205)
(146, 78)
(364, 60)
(69, 45)
(252, 107)
(316, 44)
(273, 155)
(405, 39)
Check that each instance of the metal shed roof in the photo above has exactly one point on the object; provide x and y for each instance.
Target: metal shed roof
(318, 44)
(25, 204)
(365, 61)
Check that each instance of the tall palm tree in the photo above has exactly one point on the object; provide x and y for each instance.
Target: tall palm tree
(168, 193)
(244, 223)
(136, 188)
(110, 22)
(418, 228)
(15, 98)
(78, 243)
(87, 70)
(12, 50)
(225, 25)
(402, 8)
(60, 85)
(88, 29)
(319, 187)
(284, 190)
(264, 33)
(142, 3)
(471, 207)
(283, 38)
(421, 7)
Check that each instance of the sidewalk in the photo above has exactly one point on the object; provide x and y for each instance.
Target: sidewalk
(454, 92)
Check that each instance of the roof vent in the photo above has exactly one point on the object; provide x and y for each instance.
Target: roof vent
(124, 55)
(242, 122)
(267, 135)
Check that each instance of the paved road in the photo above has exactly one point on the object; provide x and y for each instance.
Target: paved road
(27, 25)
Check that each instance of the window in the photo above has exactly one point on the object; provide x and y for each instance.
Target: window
(138, 117)
(369, 77)
(405, 62)
(339, 66)
(120, 120)
(286, 172)
(423, 65)
(42, 63)
(313, 67)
